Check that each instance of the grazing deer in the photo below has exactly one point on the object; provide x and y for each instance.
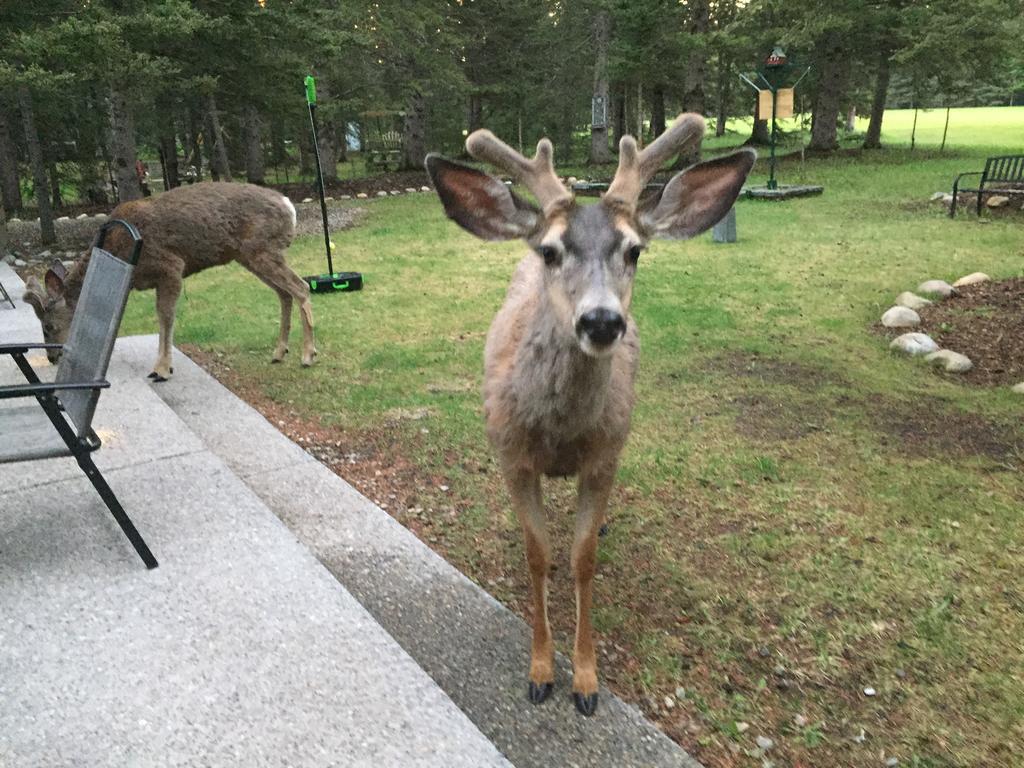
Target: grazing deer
(561, 354)
(187, 230)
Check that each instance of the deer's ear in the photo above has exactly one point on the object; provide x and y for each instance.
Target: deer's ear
(54, 284)
(698, 198)
(33, 296)
(59, 269)
(479, 203)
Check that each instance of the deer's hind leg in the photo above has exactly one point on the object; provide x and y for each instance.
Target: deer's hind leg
(272, 269)
(594, 489)
(168, 289)
(524, 488)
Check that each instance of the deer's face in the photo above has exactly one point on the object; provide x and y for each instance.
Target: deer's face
(590, 257)
(52, 309)
(590, 252)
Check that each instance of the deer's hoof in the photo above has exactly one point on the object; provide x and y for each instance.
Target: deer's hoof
(157, 378)
(539, 692)
(586, 704)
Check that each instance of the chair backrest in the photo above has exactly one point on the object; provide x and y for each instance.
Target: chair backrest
(94, 327)
(1005, 168)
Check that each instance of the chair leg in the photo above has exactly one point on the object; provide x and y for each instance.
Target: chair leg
(86, 463)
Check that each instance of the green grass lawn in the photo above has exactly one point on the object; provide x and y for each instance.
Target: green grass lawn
(800, 514)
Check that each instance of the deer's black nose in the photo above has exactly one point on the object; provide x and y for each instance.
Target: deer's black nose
(602, 326)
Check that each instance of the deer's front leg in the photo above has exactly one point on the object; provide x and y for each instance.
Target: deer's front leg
(594, 489)
(524, 488)
(167, 293)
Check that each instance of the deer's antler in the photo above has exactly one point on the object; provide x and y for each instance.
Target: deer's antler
(637, 168)
(538, 174)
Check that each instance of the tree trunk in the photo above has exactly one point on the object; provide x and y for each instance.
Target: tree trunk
(35, 155)
(10, 180)
(696, 64)
(851, 119)
(619, 113)
(657, 111)
(169, 149)
(122, 147)
(254, 168)
(474, 112)
(195, 153)
(219, 151)
(414, 131)
(830, 95)
(326, 132)
(724, 92)
(873, 139)
(599, 150)
(306, 150)
(55, 196)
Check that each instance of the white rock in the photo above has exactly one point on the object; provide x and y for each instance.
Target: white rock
(410, 189)
(971, 279)
(82, 216)
(799, 721)
(669, 702)
(63, 218)
(361, 195)
(938, 196)
(101, 217)
(900, 317)
(742, 727)
(396, 191)
(951, 361)
(20, 263)
(914, 344)
(424, 189)
(911, 300)
(68, 263)
(765, 743)
(14, 220)
(571, 180)
(1018, 388)
(382, 193)
(997, 201)
(44, 254)
(346, 197)
(947, 199)
(938, 287)
(328, 199)
(307, 199)
(869, 691)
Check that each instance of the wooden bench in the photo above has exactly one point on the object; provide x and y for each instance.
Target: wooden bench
(1002, 175)
(385, 150)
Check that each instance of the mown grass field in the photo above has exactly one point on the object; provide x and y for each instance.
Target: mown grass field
(800, 514)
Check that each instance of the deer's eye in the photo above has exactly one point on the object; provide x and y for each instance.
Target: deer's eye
(633, 254)
(551, 255)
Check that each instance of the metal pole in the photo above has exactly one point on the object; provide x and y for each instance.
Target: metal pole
(320, 186)
(772, 183)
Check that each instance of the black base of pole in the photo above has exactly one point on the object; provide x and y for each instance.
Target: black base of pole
(339, 281)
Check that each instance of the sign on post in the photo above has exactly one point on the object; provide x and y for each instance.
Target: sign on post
(599, 112)
(783, 103)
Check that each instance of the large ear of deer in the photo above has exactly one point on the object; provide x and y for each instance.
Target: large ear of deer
(698, 198)
(479, 203)
(33, 296)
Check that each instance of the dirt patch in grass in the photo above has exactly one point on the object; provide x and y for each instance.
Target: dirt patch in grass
(984, 321)
(926, 427)
(769, 370)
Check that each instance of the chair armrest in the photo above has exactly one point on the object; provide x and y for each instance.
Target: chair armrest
(45, 388)
(20, 349)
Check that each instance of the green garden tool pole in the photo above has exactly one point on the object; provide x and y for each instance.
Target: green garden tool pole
(311, 102)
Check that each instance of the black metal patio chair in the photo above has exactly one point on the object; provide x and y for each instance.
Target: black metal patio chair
(60, 422)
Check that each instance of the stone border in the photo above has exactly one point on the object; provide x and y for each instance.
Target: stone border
(903, 314)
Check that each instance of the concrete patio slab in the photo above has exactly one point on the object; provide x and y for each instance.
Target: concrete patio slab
(470, 644)
(240, 649)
